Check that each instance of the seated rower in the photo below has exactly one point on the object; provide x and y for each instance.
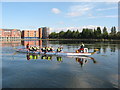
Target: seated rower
(34, 48)
(59, 49)
(48, 49)
(37, 47)
(81, 49)
(27, 46)
(43, 49)
(51, 49)
(31, 48)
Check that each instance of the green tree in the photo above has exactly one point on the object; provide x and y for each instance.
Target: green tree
(105, 33)
(77, 34)
(68, 34)
(113, 33)
(61, 34)
(98, 32)
(118, 35)
(53, 35)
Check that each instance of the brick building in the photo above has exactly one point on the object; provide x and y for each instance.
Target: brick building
(10, 34)
(30, 34)
(41, 33)
(45, 32)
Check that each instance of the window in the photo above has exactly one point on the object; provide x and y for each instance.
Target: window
(34, 33)
(28, 33)
(0, 32)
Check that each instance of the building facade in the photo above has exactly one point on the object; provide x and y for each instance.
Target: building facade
(45, 32)
(10, 34)
(30, 34)
(41, 33)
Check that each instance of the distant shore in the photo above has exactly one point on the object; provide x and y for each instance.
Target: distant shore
(106, 40)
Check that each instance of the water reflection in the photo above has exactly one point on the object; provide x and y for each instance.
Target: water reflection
(103, 47)
(46, 57)
(10, 43)
(82, 60)
(60, 71)
(32, 42)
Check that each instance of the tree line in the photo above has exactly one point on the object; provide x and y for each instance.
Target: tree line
(86, 33)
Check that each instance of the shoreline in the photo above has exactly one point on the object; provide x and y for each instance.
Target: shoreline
(105, 40)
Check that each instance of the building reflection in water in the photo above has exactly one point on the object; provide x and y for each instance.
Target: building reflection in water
(40, 43)
(32, 43)
(10, 43)
(81, 60)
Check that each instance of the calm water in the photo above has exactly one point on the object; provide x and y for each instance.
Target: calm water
(20, 70)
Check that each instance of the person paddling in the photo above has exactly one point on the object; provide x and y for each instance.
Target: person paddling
(81, 49)
(59, 49)
(27, 46)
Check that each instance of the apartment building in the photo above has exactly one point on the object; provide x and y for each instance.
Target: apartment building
(41, 33)
(30, 34)
(10, 34)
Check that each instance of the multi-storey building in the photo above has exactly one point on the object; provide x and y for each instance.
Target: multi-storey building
(30, 34)
(10, 34)
(45, 32)
(41, 33)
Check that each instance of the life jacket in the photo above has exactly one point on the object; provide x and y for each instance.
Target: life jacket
(48, 49)
(58, 50)
(51, 49)
(49, 58)
(43, 48)
(37, 48)
(31, 57)
(43, 57)
(30, 48)
(35, 57)
(59, 58)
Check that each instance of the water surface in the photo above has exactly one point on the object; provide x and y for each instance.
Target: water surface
(21, 70)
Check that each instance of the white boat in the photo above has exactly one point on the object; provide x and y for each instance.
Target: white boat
(56, 53)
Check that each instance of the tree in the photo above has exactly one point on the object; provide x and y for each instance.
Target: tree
(105, 33)
(118, 35)
(53, 35)
(61, 34)
(68, 34)
(113, 33)
(98, 32)
(77, 34)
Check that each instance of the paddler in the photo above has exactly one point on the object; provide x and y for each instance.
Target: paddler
(27, 46)
(34, 48)
(43, 49)
(59, 49)
(31, 48)
(51, 49)
(48, 49)
(37, 47)
(81, 49)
